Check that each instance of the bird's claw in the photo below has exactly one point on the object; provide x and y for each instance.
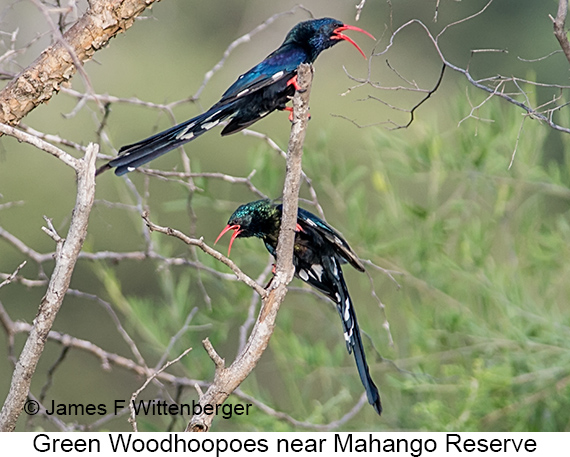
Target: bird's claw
(290, 109)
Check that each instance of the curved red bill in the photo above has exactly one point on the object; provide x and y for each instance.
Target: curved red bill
(339, 36)
(237, 231)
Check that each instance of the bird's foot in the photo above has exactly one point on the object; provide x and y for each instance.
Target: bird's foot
(290, 109)
(293, 82)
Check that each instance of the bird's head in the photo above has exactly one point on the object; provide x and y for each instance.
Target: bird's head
(320, 34)
(260, 218)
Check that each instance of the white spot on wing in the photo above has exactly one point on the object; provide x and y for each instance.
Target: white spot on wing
(277, 75)
(318, 269)
(243, 92)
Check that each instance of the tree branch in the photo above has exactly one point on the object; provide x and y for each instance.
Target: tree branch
(133, 416)
(65, 260)
(208, 250)
(55, 66)
(40, 144)
(558, 24)
(226, 380)
(493, 85)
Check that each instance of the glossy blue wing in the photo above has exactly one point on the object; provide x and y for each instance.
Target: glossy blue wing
(281, 64)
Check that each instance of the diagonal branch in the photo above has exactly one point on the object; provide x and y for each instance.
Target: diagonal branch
(208, 250)
(55, 66)
(40, 144)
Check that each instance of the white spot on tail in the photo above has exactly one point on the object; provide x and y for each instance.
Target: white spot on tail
(185, 136)
(130, 168)
(211, 116)
(182, 135)
(209, 125)
(303, 275)
(347, 310)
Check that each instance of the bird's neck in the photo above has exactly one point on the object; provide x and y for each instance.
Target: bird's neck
(296, 47)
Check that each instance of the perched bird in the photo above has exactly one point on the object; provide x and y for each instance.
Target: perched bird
(318, 254)
(259, 91)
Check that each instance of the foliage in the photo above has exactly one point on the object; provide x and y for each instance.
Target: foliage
(480, 323)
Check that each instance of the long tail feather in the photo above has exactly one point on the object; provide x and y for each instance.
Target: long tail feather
(362, 367)
(353, 337)
(137, 154)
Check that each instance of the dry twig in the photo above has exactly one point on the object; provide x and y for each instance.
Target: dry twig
(558, 23)
(59, 283)
(55, 66)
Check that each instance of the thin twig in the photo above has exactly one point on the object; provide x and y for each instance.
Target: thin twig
(133, 416)
(11, 278)
(66, 158)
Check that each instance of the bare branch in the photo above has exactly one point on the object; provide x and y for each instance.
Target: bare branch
(70, 50)
(66, 158)
(558, 23)
(208, 250)
(359, 9)
(212, 175)
(58, 285)
(68, 341)
(250, 320)
(13, 276)
(55, 66)
(133, 417)
(489, 85)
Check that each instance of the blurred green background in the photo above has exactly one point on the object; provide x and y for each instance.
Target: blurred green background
(479, 320)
